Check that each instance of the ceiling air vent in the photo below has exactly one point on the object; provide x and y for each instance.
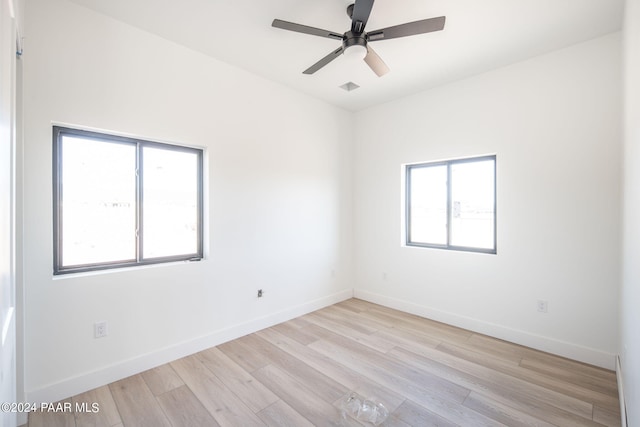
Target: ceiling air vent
(349, 86)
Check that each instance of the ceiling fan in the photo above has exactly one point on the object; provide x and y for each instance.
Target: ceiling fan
(356, 40)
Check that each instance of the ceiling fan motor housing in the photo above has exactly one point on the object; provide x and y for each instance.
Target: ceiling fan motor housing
(354, 39)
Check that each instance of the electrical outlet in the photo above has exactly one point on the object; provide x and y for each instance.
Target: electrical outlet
(100, 329)
(259, 293)
(543, 306)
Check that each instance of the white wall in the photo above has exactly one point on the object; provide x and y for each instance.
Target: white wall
(630, 295)
(279, 194)
(554, 123)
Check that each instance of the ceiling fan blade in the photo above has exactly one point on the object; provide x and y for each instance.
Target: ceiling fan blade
(324, 61)
(408, 29)
(360, 15)
(375, 62)
(299, 28)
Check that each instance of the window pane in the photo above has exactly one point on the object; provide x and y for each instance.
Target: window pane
(472, 204)
(170, 199)
(428, 205)
(98, 201)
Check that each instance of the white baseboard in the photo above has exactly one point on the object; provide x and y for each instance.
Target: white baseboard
(538, 342)
(623, 402)
(117, 371)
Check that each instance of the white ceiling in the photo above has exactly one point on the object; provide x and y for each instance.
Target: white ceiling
(479, 35)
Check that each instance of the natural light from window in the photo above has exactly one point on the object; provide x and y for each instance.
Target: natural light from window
(99, 201)
(451, 204)
(170, 195)
(120, 201)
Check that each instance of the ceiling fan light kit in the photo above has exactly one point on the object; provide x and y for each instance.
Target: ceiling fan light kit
(356, 51)
(355, 42)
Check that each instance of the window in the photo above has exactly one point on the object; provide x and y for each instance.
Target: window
(452, 204)
(121, 201)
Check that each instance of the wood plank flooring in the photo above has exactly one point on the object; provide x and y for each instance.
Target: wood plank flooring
(296, 373)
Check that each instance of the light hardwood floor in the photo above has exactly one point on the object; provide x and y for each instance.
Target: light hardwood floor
(296, 373)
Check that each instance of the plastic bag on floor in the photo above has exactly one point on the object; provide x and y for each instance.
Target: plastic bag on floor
(361, 409)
